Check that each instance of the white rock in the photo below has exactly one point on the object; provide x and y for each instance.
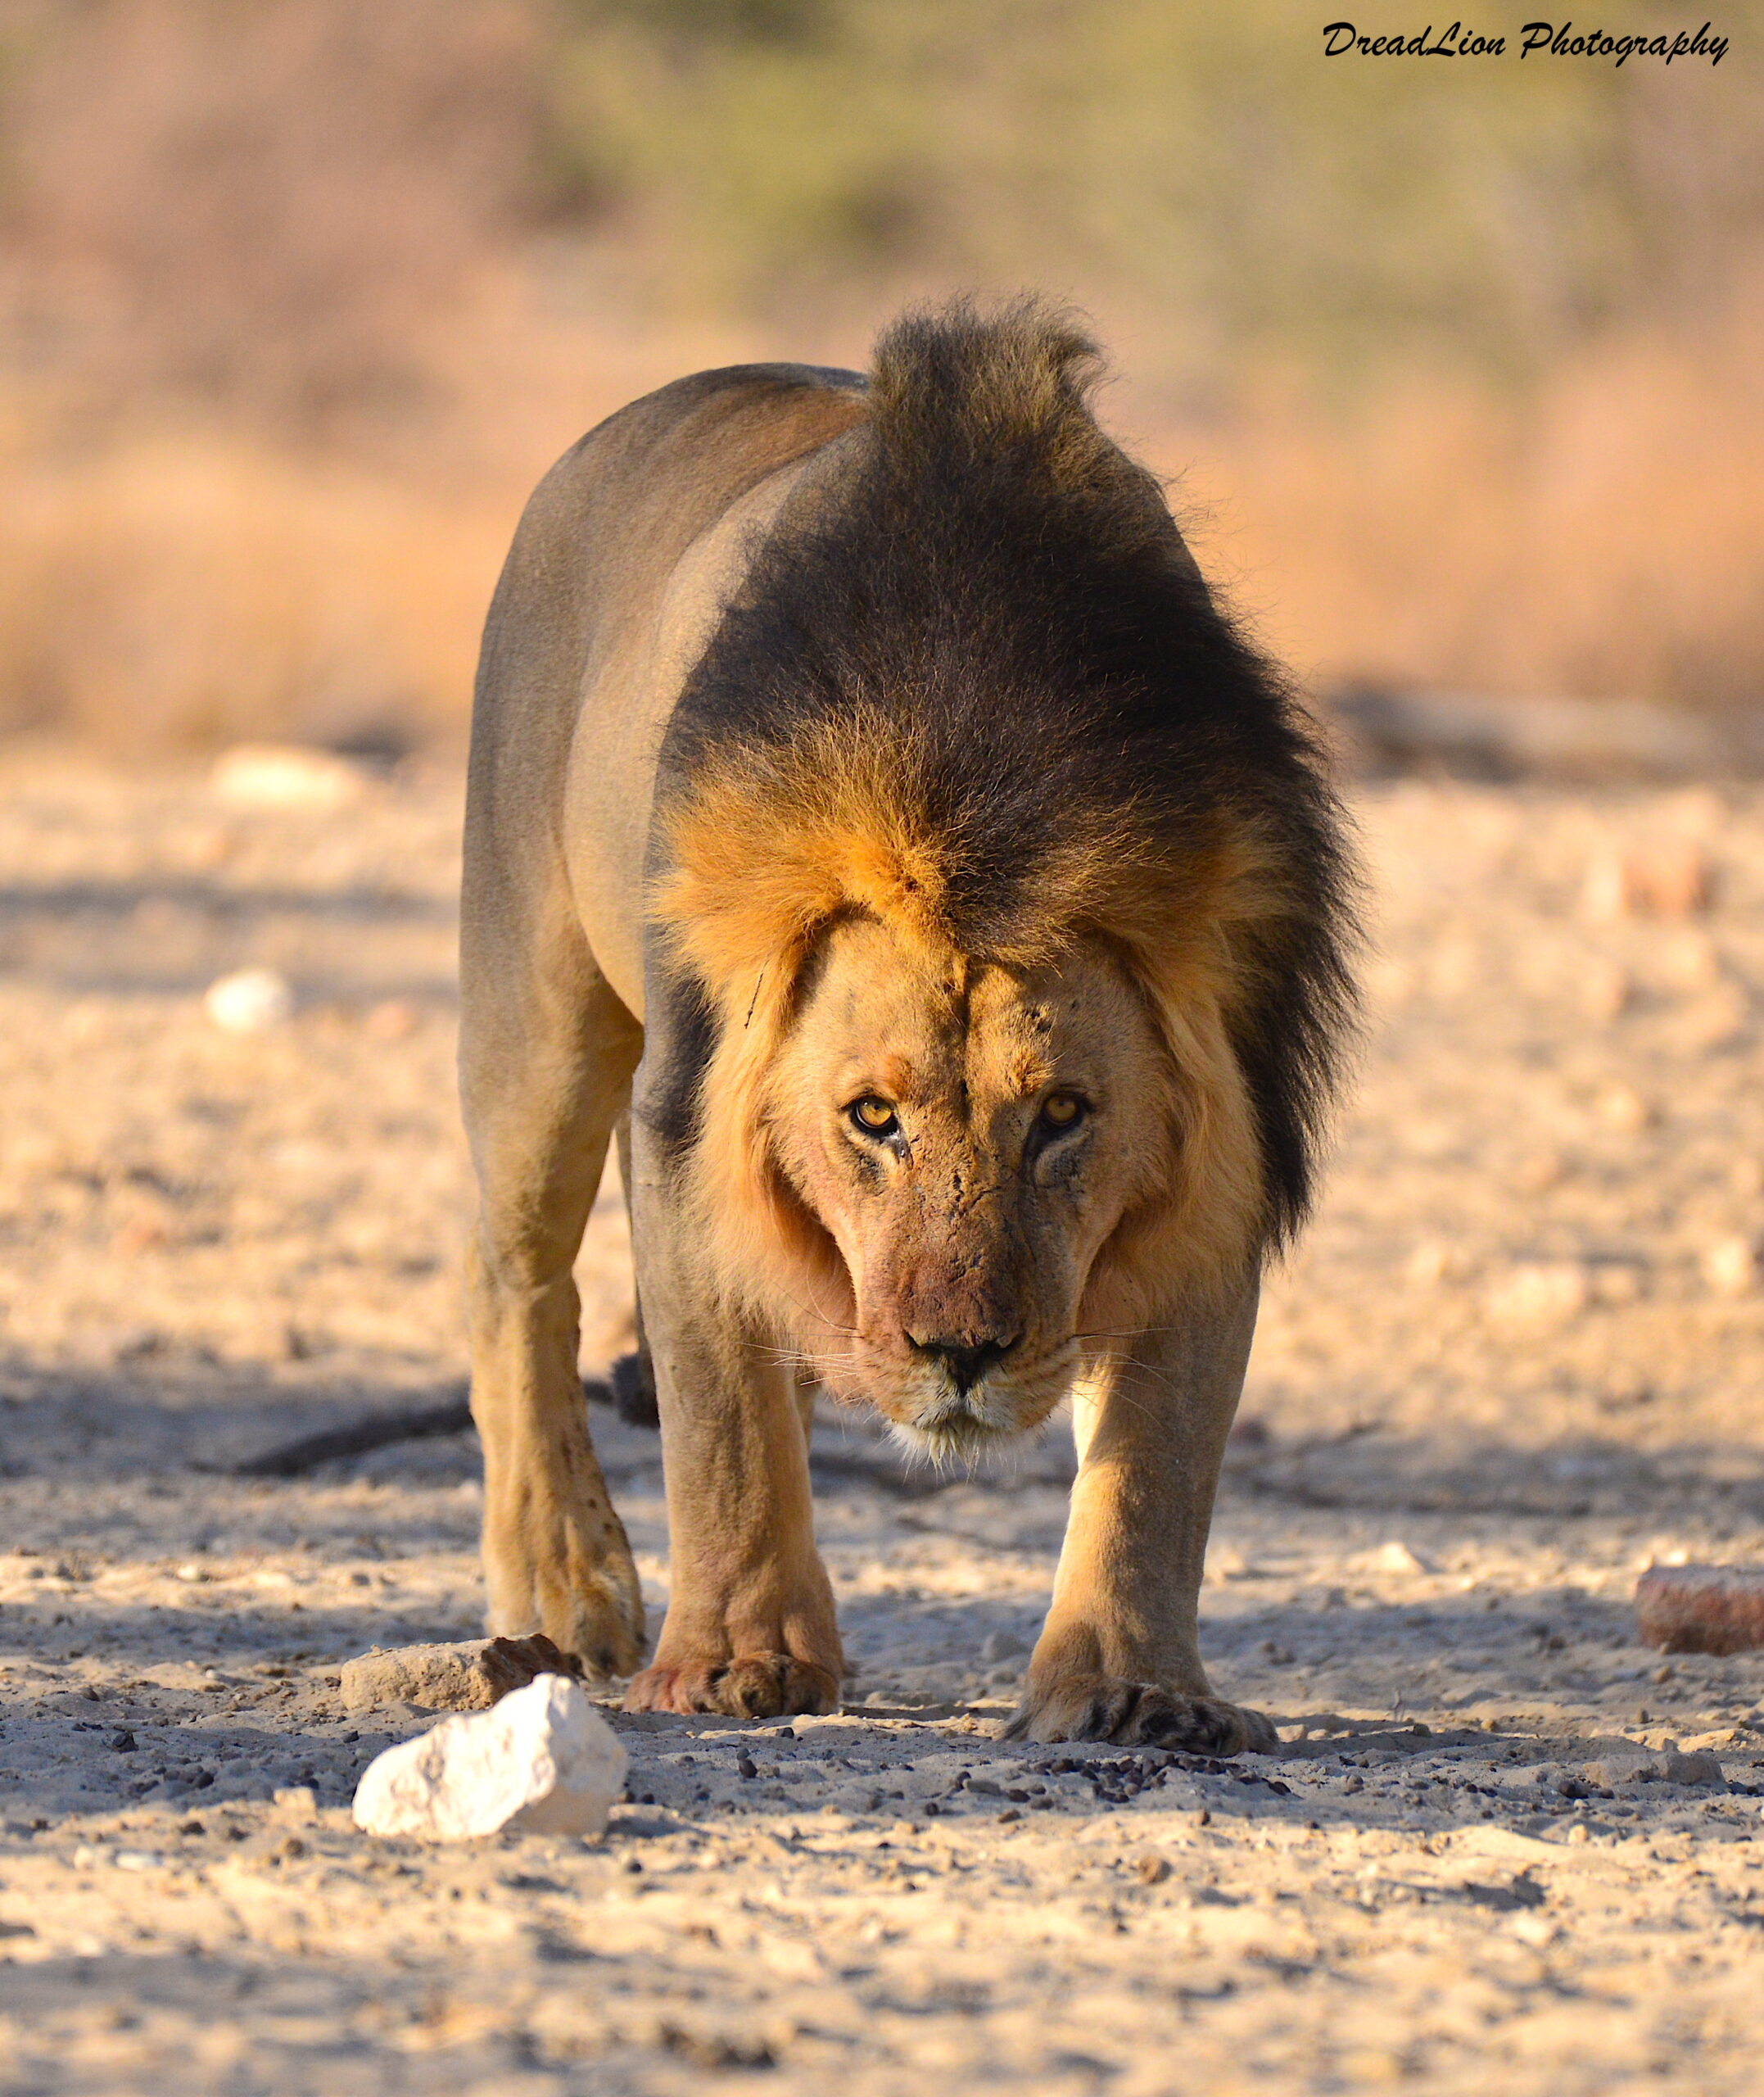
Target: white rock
(1730, 1266)
(1396, 1556)
(250, 1001)
(285, 775)
(1548, 1292)
(543, 1760)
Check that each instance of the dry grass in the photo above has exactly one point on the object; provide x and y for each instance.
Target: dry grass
(296, 302)
(179, 592)
(1601, 536)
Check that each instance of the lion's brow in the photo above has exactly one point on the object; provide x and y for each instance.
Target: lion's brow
(1010, 1072)
(899, 1078)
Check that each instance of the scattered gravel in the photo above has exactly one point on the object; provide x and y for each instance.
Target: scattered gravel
(1503, 1842)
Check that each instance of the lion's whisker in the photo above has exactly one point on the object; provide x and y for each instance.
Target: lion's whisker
(1132, 1333)
(832, 1325)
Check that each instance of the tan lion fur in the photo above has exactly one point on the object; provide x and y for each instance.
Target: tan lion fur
(838, 747)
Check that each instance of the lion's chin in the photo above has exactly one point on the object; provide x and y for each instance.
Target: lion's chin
(927, 1417)
(960, 1428)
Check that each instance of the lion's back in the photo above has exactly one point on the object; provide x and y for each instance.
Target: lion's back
(595, 548)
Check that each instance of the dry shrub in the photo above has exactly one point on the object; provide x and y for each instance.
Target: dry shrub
(1600, 534)
(178, 593)
(298, 296)
(271, 205)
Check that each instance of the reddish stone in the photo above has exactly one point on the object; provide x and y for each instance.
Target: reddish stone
(507, 1664)
(1701, 1608)
(1665, 878)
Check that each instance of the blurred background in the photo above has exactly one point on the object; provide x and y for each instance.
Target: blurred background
(1458, 364)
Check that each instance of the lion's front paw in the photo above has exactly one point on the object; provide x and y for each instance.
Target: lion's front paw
(1139, 1715)
(571, 1579)
(749, 1686)
(592, 1620)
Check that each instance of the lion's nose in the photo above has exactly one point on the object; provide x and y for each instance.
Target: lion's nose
(964, 1360)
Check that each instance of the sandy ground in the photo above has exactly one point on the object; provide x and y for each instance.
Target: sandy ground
(1518, 1358)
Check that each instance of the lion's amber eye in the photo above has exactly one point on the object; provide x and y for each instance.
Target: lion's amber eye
(1061, 1110)
(874, 1117)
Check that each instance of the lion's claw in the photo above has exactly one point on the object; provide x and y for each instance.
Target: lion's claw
(1140, 1714)
(748, 1685)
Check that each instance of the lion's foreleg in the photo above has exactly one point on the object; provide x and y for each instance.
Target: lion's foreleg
(750, 1628)
(1119, 1658)
(555, 1555)
(545, 1059)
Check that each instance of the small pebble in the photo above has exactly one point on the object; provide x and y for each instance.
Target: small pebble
(1662, 878)
(1623, 1110)
(286, 776)
(250, 1001)
(1396, 1556)
(1730, 1266)
(1539, 1293)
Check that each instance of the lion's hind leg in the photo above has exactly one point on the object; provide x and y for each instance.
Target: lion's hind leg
(632, 1376)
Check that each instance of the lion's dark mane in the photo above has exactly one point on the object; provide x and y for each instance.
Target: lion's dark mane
(993, 574)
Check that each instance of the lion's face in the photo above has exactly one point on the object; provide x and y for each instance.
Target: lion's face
(967, 1139)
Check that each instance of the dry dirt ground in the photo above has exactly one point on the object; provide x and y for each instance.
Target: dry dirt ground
(1519, 1357)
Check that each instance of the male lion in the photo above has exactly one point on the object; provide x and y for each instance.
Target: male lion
(875, 822)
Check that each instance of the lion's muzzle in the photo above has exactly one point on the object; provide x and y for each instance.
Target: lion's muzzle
(965, 1360)
(958, 1401)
